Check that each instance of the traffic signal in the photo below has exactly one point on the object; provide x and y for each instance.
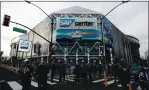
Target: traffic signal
(6, 20)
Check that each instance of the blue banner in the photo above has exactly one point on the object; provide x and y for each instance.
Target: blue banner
(82, 34)
(107, 28)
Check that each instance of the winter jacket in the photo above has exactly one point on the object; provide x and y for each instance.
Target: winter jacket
(124, 76)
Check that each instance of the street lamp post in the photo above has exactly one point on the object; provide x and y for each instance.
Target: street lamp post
(102, 30)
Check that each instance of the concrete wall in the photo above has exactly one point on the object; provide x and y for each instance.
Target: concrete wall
(44, 29)
(118, 42)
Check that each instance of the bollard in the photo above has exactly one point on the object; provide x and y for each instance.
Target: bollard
(2, 82)
(130, 87)
(105, 79)
(33, 78)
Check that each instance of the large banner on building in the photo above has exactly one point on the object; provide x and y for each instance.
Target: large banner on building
(78, 28)
(24, 46)
(107, 29)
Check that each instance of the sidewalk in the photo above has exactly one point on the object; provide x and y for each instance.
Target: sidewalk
(11, 68)
(15, 69)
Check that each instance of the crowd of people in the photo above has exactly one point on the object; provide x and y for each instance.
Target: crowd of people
(80, 70)
(124, 73)
(84, 72)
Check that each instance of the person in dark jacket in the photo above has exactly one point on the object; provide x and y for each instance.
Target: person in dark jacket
(144, 78)
(62, 72)
(26, 72)
(77, 72)
(84, 70)
(134, 69)
(90, 71)
(124, 76)
(115, 69)
(100, 69)
(41, 73)
(53, 69)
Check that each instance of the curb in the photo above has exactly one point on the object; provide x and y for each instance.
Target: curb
(11, 69)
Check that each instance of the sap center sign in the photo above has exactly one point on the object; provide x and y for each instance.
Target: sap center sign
(83, 28)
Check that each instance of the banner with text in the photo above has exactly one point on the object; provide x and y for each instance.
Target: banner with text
(24, 46)
(77, 28)
(76, 23)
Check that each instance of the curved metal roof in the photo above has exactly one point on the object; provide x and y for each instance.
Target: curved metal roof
(132, 38)
(76, 10)
(16, 39)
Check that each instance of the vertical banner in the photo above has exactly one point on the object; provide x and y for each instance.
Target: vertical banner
(107, 30)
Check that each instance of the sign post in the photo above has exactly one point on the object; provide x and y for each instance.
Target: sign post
(19, 30)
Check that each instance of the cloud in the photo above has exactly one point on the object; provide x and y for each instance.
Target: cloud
(138, 27)
(126, 12)
(5, 47)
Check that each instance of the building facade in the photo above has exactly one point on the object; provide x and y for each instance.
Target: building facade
(78, 34)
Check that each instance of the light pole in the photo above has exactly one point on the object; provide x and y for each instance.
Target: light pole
(51, 23)
(102, 30)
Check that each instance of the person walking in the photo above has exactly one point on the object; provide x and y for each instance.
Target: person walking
(53, 70)
(77, 72)
(62, 71)
(90, 71)
(144, 78)
(41, 73)
(100, 69)
(26, 72)
(84, 70)
(134, 72)
(115, 69)
(124, 75)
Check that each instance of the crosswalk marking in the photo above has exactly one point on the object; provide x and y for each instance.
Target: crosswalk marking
(49, 82)
(70, 80)
(131, 81)
(110, 82)
(56, 80)
(119, 85)
(127, 84)
(14, 85)
(96, 81)
(35, 84)
(139, 88)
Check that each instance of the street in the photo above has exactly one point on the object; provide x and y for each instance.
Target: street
(12, 82)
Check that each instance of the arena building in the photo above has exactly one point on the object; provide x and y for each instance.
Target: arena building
(78, 34)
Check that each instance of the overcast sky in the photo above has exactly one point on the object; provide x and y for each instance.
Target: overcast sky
(131, 18)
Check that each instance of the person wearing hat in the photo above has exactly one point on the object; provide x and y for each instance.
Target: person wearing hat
(26, 72)
(41, 74)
